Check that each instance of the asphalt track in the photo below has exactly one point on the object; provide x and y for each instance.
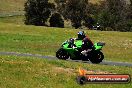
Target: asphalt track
(54, 58)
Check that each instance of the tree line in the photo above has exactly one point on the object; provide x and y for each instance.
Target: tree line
(112, 15)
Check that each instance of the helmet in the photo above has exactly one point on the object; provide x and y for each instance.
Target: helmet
(81, 35)
(71, 41)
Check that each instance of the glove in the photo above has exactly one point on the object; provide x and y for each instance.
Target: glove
(84, 52)
(74, 47)
(89, 50)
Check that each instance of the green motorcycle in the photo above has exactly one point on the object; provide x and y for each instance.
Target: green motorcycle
(94, 55)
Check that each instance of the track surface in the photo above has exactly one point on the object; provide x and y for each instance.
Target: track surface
(53, 57)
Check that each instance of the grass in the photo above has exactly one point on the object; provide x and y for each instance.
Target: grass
(11, 5)
(13, 20)
(26, 72)
(46, 40)
(95, 1)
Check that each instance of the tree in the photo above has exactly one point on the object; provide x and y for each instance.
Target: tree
(89, 22)
(37, 12)
(114, 13)
(60, 6)
(75, 10)
(56, 20)
(131, 2)
(130, 10)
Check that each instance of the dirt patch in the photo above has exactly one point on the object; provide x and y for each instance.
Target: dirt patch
(63, 70)
(76, 71)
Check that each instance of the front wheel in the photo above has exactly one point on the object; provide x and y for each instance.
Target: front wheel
(97, 57)
(62, 54)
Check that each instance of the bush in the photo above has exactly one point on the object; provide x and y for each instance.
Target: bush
(124, 26)
(89, 22)
(37, 12)
(56, 20)
(115, 15)
(73, 10)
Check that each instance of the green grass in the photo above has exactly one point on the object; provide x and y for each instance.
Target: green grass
(46, 40)
(13, 20)
(26, 72)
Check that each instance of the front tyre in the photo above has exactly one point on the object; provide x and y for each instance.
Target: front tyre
(97, 57)
(62, 54)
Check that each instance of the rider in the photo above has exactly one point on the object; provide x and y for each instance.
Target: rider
(71, 43)
(87, 43)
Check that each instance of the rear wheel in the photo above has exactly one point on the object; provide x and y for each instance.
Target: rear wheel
(97, 57)
(62, 54)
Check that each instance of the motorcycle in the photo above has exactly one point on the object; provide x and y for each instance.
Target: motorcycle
(75, 53)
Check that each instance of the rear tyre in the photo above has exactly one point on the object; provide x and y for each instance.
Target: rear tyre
(97, 57)
(62, 54)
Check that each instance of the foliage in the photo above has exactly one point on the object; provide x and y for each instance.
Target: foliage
(115, 14)
(74, 10)
(37, 12)
(56, 20)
